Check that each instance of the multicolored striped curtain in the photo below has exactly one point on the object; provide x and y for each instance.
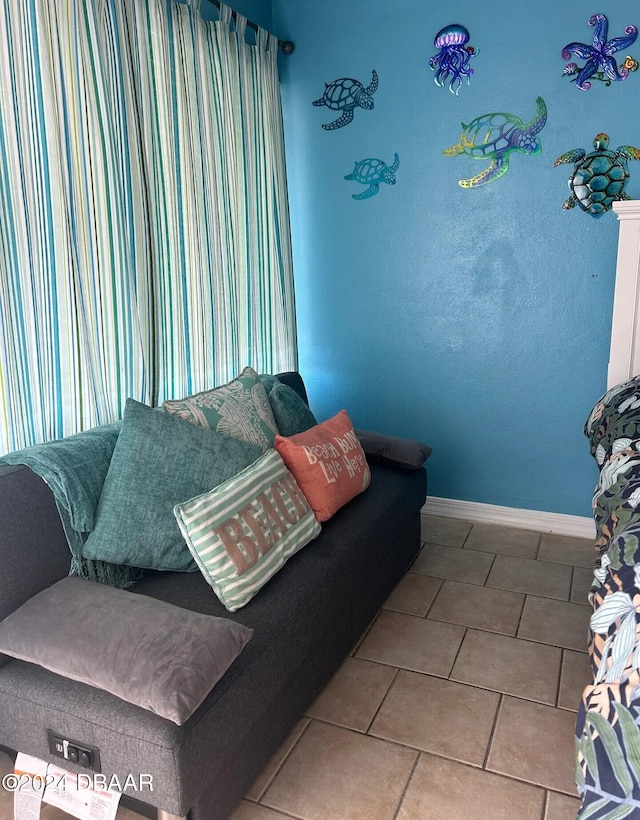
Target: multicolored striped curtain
(144, 227)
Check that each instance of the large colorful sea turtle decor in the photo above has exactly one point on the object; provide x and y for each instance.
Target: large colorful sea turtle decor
(372, 172)
(495, 137)
(346, 94)
(599, 178)
(600, 64)
(453, 57)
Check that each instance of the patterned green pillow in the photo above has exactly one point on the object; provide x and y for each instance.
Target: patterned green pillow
(292, 414)
(243, 531)
(239, 409)
(157, 462)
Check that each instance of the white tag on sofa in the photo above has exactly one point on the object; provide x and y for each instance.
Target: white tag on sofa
(27, 783)
(76, 793)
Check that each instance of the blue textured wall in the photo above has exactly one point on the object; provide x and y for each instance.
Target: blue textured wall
(476, 320)
(259, 11)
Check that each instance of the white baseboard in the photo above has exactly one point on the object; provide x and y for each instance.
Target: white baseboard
(574, 525)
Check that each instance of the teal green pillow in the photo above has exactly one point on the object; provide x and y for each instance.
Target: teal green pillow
(268, 381)
(292, 414)
(239, 409)
(158, 462)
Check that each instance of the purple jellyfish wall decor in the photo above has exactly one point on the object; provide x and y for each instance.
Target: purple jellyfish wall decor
(600, 64)
(452, 59)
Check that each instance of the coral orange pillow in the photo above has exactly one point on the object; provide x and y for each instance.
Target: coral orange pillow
(328, 463)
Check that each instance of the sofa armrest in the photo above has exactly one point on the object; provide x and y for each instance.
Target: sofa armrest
(34, 552)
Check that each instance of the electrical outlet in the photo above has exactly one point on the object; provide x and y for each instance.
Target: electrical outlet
(82, 754)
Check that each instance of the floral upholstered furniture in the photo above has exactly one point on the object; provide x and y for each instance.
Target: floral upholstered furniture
(608, 724)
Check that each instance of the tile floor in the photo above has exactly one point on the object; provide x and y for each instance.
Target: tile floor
(459, 701)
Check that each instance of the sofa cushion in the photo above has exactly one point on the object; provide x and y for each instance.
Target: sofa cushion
(328, 463)
(243, 531)
(158, 461)
(239, 409)
(148, 652)
(291, 413)
(393, 451)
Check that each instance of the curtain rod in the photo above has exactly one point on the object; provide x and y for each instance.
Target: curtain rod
(287, 46)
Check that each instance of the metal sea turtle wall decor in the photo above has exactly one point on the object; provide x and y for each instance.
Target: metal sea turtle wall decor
(372, 172)
(346, 94)
(599, 178)
(494, 137)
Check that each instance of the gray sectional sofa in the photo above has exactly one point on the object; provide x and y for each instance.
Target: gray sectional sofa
(305, 621)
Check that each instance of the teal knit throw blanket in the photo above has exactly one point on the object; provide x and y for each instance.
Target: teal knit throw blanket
(75, 468)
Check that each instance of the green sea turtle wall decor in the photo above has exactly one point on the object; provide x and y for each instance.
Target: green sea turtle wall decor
(372, 172)
(599, 178)
(346, 94)
(495, 137)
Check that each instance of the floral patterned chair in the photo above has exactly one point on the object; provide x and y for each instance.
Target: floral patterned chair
(608, 724)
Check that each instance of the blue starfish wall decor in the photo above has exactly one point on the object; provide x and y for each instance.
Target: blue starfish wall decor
(599, 64)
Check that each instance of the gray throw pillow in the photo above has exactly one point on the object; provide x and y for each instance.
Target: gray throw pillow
(393, 451)
(159, 460)
(161, 657)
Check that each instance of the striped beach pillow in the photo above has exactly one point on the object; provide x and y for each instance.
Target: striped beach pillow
(245, 529)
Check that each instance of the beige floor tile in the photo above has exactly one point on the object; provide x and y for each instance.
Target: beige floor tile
(561, 807)
(451, 791)
(575, 675)
(495, 610)
(563, 549)
(559, 623)
(253, 811)
(503, 540)
(534, 743)
(510, 665)
(265, 777)
(353, 695)
(450, 532)
(581, 584)
(456, 564)
(335, 773)
(532, 577)
(437, 716)
(413, 594)
(412, 643)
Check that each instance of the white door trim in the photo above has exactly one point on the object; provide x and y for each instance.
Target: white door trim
(624, 355)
